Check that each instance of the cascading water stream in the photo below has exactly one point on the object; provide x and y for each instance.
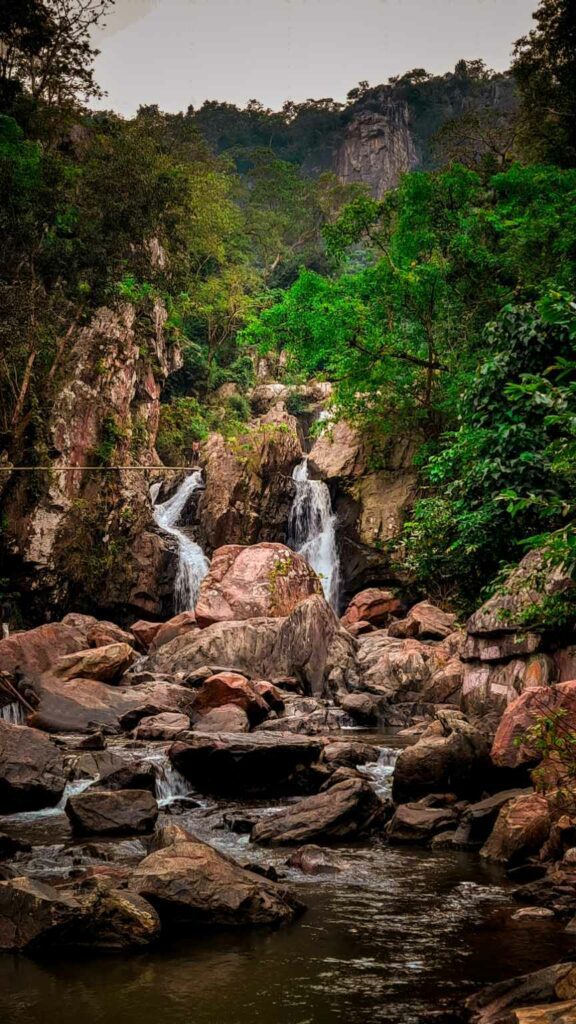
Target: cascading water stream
(192, 562)
(13, 714)
(312, 530)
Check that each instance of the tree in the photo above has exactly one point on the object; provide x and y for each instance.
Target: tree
(47, 49)
(482, 140)
(545, 68)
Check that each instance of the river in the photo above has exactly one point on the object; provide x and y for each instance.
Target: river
(399, 935)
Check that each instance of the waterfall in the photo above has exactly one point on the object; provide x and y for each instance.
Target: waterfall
(312, 530)
(381, 772)
(169, 783)
(192, 562)
(13, 714)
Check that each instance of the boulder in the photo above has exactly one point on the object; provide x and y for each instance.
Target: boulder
(338, 453)
(393, 668)
(488, 689)
(345, 754)
(190, 882)
(265, 580)
(228, 718)
(37, 918)
(166, 726)
(415, 823)
(145, 632)
(231, 688)
(374, 606)
(479, 818)
(309, 644)
(521, 829)
(451, 755)
(233, 764)
(101, 634)
(524, 591)
(313, 860)
(179, 625)
(425, 622)
(31, 769)
(346, 811)
(85, 705)
(511, 747)
(496, 1003)
(249, 488)
(361, 707)
(104, 664)
(445, 685)
(107, 812)
(34, 916)
(554, 1013)
(34, 651)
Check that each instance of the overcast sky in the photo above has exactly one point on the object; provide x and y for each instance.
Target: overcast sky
(181, 52)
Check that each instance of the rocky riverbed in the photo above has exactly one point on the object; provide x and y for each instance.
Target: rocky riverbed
(275, 815)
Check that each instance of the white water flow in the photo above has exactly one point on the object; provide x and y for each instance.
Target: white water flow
(192, 562)
(169, 785)
(381, 772)
(312, 530)
(13, 714)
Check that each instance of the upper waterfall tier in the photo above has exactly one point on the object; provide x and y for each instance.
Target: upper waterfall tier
(192, 562)
(312, 530)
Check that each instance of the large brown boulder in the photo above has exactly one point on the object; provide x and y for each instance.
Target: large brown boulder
(416, 823)
(190, 882)
(373, 605)
(488, 688)
(144, 632)
(265, 580)
(230, 688)
(31, 769)
(36, 650)
(112, 812)
(166, 726)
(105, 664)
(425, 622)
(37, 918)
(85, 705)
(228, 718)
(344, 812)
(309, 644)
(338, 453)
(234, 764)
(511, 747)
(521, 829)
(451, 755)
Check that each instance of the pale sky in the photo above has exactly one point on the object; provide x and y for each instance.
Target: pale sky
(180, 52)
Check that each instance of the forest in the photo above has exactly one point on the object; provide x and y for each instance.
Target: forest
(288, 449)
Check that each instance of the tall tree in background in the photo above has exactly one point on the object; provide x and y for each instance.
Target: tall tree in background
(545, 69)
(45, 48)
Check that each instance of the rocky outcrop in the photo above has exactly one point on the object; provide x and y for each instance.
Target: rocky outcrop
(264, 580)
(234, 764)
(309, 644)
(249, 487)
(378, 147)
(424, 622)
(504, 656)
(346, 811)
(78, 538)
(512, 747)
(189, 882)
(416, 823)
(31, 769)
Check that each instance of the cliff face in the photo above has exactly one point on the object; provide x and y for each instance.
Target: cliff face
(377, 148)
(89, 533)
